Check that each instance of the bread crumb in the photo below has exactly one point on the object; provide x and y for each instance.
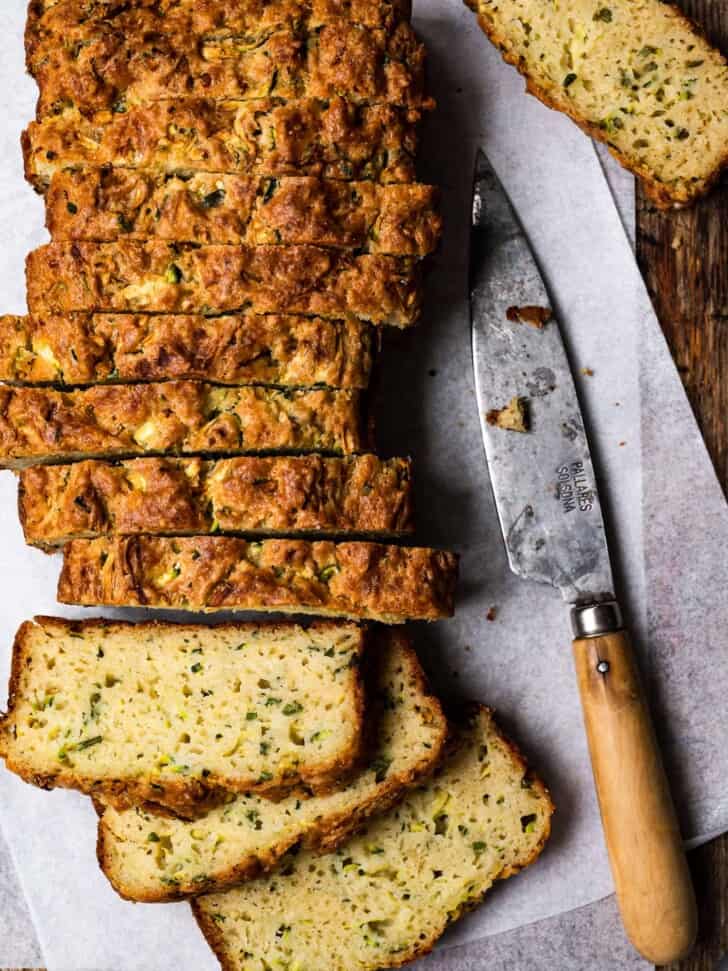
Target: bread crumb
(587, 371)
(513, 418)
(533, 316)
(621, 444)
(492, 613)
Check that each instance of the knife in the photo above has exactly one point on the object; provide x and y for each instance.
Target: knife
(546, 496)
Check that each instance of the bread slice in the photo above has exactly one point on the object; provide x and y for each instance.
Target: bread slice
(110, 204)
(97, 67)
(80, 349)
(181, 715)
(161, 277)
(56, 17)
(150, 858)
(387, 895)
(366, 581)
(279, 496)
(41, 425)
(270, 137)
(639, 76)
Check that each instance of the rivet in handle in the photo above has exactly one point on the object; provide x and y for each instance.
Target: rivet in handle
(603, 667)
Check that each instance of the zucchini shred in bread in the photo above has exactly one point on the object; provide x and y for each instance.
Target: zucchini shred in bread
(180, 715)
(359, 580)
(259, 496)
(39, 425)
(387, 895)
(81, 349)
(109, 204)
(149, 858)
(329, 139)
(155, 276)
(636, 74)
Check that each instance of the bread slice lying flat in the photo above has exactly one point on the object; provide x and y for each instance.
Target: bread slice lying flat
(150, 858)
(217, 15)
(267, 496)
(391, 584)
(636, 74)
(79, 349)
(39, 425)
(161, 277)
(109, 204)
(386, 896)
(95, 68)
(270, 137)
(178, 714)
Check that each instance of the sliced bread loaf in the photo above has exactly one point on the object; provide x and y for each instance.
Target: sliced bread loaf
(55, 18)
(79, 349)
(180, 715)
(260, 496)
(636, 74)
(109, 204)
(99, 66)
(270, 137)
(161, 277)
(386, 896)
(39, 425)
(391, 584)
(150, 858)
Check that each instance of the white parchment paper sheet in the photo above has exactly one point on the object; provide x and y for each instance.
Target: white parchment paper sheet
(521, 662)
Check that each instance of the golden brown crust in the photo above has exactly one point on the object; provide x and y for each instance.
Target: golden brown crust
(208, 573)
(270, 137)
(261, 496)
(186, 797)
(39, 425)
(47, 18)
(80, 349)
(331, 828)
(664, 195)
(107, 65)
(159, 277)
(109, 204)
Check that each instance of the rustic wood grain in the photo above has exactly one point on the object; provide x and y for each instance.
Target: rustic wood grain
(684, 259)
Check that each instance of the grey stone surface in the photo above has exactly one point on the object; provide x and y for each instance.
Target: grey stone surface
(588, 939)
(18, 942)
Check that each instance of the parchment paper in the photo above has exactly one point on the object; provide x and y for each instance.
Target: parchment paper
(648, 451)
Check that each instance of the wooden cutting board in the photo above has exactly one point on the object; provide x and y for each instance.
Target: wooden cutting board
(684, 259)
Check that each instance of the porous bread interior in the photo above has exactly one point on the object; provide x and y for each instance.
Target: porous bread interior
(150, 858)
(236, 707)
(386, 896)
(636, 73)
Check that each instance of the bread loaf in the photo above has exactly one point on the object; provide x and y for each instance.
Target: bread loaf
(181, 715)
(259, 496)
(101, 66)
(80, 349)
(636, 74)
(160, 277)
(152, 858)
(385, 897)
(39, 425)
(109, 204)
(390, 584)
(270, 137)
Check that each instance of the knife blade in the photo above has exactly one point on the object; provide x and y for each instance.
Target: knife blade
(543, 481)
(545, 490)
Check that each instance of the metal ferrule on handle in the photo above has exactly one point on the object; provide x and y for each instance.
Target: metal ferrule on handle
(595, 620)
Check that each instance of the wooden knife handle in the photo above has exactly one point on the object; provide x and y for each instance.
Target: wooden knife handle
(651, 876)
